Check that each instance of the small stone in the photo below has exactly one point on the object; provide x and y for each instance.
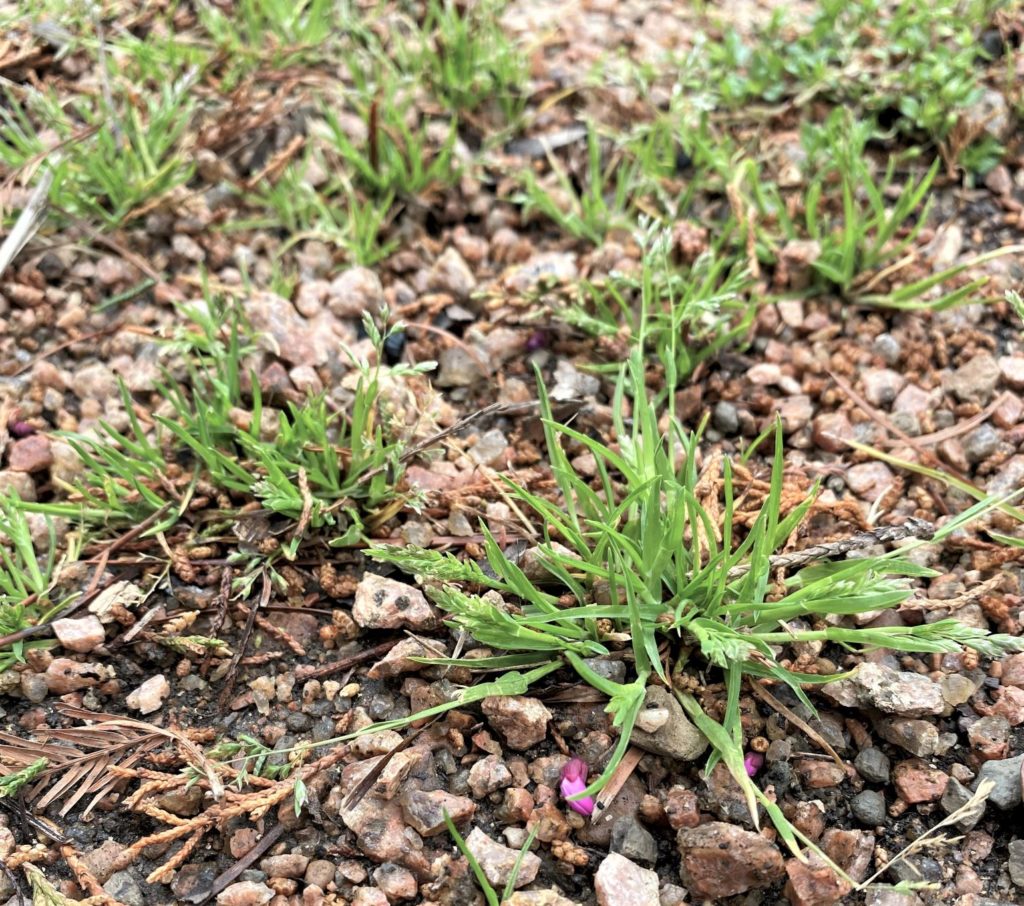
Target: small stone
(677, 738)
(682, 808)
(873, 765)
(64, 675)
(990, 737)
(976, 379)
(490, 448)
(548, 896)
(95, 382)
(916, 782)
(918, 737)
(620, 882)
(450, 274)
(30, 454)
(424, 811)
(245, 893)
(81, 635)
(881, 386)
(355, 292)
(1005, 774)
(457, 368)
(382, 603)
(124, 888)
(395, 882)
(319, 872)
(545, 267)
(498, 861)
(955, 797)
(287, 865)
(571, 384)
(957, 689)
(989, 113)
(720, 860)
(489, 775)
(725, 418)
(149, 697)
(814, 883)
(369, 896)
(1011, 367)
(893, 692)
(831, 431)
(1015, 864)
(817, 774)
(521, 720)
(869, 480)
(884, 896)
(981, 443)
(887, 348)
(399, 659)
(853, 851)
(795, 412)
(868, 808)
(632, 840)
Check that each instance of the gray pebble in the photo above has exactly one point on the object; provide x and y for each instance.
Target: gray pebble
(1005, 774)
(868, 808)
(873, 765)
(725, 418)
(981, 443)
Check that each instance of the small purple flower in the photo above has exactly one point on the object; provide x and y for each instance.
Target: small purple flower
(574, 780)
(753, 763)
(21, 429)
(537, 340)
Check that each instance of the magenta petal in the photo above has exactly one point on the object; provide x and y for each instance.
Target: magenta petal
(574, 781)
(753, 762)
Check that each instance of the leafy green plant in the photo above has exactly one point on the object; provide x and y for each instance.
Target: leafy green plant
(467, 58)
(603, 203)
(397, 159)
(636, 556)
(307, 464)
(865, 234)
(26, 581)
(686, 315)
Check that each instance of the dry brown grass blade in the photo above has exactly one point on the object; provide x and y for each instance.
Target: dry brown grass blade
(82, 758)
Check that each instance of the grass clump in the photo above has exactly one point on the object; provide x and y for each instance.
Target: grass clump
(653, 555)
(306, 464)
(26, 580)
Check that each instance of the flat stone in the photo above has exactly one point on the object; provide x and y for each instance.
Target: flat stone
(814, 883)
(632, 840)
(30, 454)
(976, 379)
(916, 782)
(523, 721)
(245, 893)
(721, 860)
(955, 797)
(489, 775)
(382, 603)
(399, 659)
(918, 737)
(149, 697)
(1015, 864)
(1005, 774)
(677, 737)
(125, 888)
(395, 882)
(890, 691)
(424, 811)
(286, 865)
(620, 882)
(81, 635)
(498, 861)
(869, 480)
(64, 675)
